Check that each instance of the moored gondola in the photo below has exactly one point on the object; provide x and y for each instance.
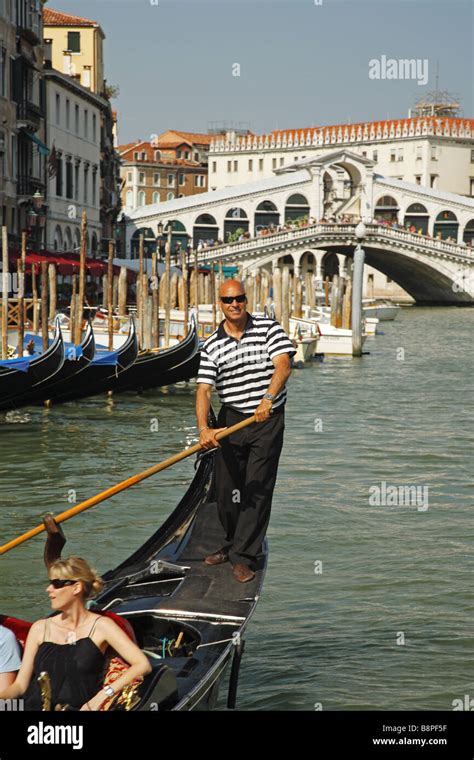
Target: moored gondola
(19, 376)
(105, 365)
(154, 369)
(188, 617)
(76, 360)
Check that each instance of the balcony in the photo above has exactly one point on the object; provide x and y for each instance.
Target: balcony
(27, 186)
(28, 115)
(29, 22)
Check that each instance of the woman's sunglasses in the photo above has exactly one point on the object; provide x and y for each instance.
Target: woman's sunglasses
(228, 299)
(60, 583)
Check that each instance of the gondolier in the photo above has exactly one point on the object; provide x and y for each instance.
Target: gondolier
(247, 359)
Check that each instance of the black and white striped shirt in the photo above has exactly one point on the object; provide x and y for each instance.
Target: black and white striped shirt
(242, 370)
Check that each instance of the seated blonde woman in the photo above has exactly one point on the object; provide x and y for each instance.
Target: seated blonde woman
(71, 645)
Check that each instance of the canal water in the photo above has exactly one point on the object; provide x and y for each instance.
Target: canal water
(367, 601)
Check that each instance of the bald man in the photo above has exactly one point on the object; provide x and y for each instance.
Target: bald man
(247, 360)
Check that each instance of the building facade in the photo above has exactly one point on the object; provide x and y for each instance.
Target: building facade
(73, 130)
(23, 153)
(432, 151)
(74, 47)
(170, 165)
(8, 129)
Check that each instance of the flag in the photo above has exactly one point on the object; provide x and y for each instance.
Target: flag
(52, 163)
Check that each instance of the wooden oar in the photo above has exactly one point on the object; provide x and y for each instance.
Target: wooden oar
(123, 485)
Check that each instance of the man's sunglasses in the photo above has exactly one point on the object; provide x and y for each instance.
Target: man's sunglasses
(229, 299)
(60, 583)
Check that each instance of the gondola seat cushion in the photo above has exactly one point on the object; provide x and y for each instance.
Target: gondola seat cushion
(20, 628)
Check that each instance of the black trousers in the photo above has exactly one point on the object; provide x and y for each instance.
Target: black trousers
(246, 471)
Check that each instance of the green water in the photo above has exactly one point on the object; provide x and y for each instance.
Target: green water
(364, 606)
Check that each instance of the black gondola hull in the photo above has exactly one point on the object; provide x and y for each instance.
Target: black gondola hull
(70, 369)
(95, 377)
(153, 370)
(14, 384)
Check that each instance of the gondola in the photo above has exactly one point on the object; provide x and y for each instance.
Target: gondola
(166, 593)
(19, 376)
(74, 363)
(154, 369)
(105, 365)
(181, 372)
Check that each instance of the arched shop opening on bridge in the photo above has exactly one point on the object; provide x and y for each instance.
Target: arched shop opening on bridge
(297, 207)
(179, 238)
(468, 235)
(417, 216)
(149, 243)
(308, 262)
(266, 214)
(205, 230)
(446, 225)
(329, 265)
(386, 209)
(236, 223)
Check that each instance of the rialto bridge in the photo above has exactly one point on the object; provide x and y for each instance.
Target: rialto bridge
(304, 217)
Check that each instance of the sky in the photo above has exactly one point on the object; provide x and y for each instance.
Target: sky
(276, 64)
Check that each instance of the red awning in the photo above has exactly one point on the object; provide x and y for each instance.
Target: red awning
(66, 263)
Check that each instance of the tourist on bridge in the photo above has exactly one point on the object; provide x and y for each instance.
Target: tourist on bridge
(248, 360)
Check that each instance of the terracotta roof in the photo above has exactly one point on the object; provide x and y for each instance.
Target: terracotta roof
(128, 146)
(57, 18)
(193, 137)
(170, 144)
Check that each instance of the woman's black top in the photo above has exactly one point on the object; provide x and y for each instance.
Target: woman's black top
(75, 670)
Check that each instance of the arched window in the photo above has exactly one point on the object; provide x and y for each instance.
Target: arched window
(170, 197)
(417, 208)
(417, 217)
(296, 208)
(58, 239)
(205, 230)
(468, 235)
(266, 206)
(236, 213)
(446, 226)
(386, 209)
(205, 219)
(236, 225)
(386, 201)
(297, 199)
(141, 198)
(68, 239)
(179, 237)
(129, 199)
(266, 217)
(149, 242)
(157, 155)
(156, 197)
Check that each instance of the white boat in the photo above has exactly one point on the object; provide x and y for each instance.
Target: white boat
(305, 349)
(383, 310)
(335, 341)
